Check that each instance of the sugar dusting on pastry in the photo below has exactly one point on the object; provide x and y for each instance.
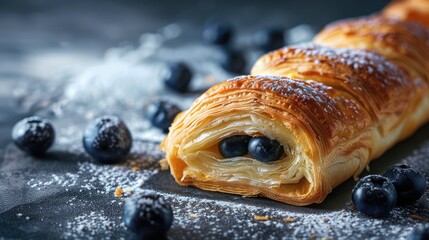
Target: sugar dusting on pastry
(360, 60)
(375, 22)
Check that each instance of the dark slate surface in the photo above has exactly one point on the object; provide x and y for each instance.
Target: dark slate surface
(70, 28)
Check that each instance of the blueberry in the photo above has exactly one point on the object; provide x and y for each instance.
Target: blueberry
(233, 61)
(374, 195)
(33, 135)
(265, 150)
(409, 183)
(148, 215)
(178, 76)
(270, 39)
(107, 139)
(234, 146)
(161, 114)
(419, 233)
(217, 32)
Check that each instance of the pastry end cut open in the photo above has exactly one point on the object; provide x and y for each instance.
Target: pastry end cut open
(258, 106)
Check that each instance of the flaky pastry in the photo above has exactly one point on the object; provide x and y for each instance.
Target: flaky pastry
(334, 106)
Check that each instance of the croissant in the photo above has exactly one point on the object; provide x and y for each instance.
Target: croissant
(330, 107)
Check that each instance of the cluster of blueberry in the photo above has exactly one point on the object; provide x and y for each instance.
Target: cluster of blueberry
(220, 33)
(262, 149)
(377, 195)
(108, 140)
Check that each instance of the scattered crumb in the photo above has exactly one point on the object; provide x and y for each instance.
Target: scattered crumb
(288, 219)
(192, 215)
(19, 214)
(164, 164)
(119, 192)
(129, 191)
(261, 218)
(136, 168)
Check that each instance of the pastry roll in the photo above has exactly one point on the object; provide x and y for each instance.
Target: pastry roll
(310, 116)
(331, 110)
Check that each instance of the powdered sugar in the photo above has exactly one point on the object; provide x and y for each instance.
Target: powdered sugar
(356, 59)
(88, 225)
(104, 179)
(128, 76)
(200, 216)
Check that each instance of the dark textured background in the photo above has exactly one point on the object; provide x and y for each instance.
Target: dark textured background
(79, 32)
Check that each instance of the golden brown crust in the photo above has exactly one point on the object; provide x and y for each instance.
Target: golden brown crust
(379, 86)
(406, 44)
